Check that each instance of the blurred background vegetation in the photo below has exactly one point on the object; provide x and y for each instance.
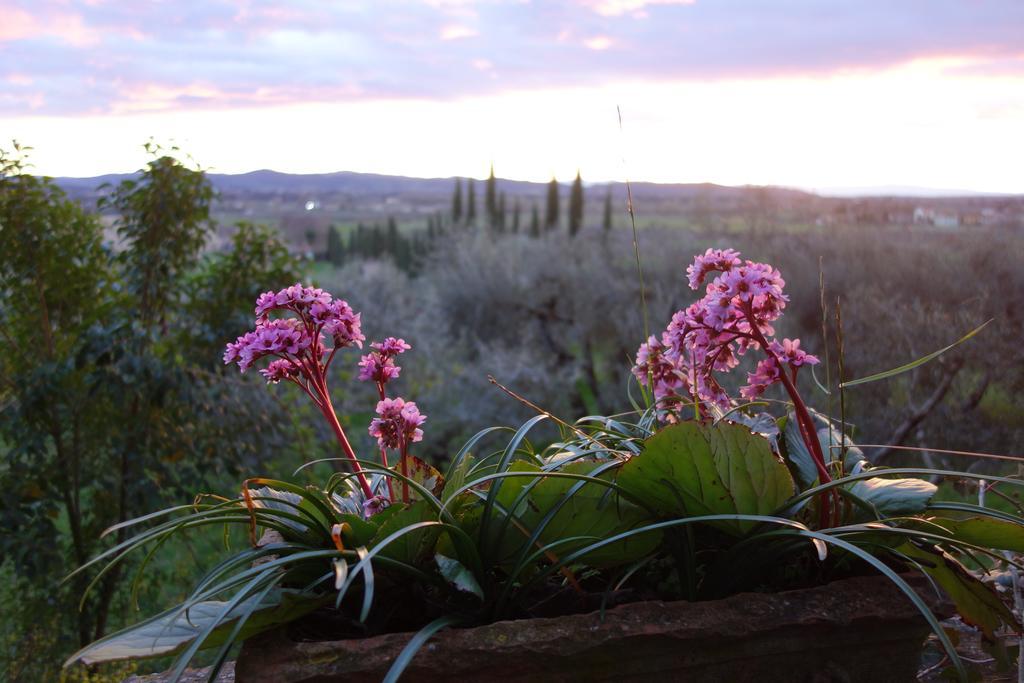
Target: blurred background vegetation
(116, 302)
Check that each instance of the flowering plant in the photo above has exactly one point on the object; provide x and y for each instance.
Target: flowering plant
(692, 496)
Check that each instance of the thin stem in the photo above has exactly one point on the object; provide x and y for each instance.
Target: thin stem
(404, 466)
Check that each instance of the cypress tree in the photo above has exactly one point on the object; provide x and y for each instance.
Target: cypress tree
(608, 210)
(576, 206)
(551, 215)
(335, 247)
(393, 238)
(491, 198)
(457, 201)
(499, 219)
(515, 216)
(470, 202)
(535, 222)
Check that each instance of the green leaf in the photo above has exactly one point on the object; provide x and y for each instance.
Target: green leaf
(571, 508)
(984, 531)
(913, 364)
(690, 469)
(895, 497)
(457, 575)
(423, 474)
(412, 547)
(173, 631)
(977, 603)
(799, 458)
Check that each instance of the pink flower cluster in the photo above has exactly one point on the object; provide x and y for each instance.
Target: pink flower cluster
(294, 341)
(297, 343)
(379, 365)
(734, 315)
(398, 423)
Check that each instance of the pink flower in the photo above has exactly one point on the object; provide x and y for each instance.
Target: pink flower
(766, 374)
(391, 346)
(789, 351)
(373, 505)
(397, 424)
(711, 260)
(266, 302)
(736, 312)
(374, 369)
(279, 369)
(340, 322)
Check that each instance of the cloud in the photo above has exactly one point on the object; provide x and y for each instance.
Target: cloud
(97, 57)
(615, 8)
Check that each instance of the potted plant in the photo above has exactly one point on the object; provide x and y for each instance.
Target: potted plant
(625, 523)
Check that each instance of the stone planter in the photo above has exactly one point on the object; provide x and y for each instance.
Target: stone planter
(860, 629)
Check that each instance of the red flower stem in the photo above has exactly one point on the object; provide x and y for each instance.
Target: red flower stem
(804, 420)
(315, 375)
(404, 465)
(346, 447)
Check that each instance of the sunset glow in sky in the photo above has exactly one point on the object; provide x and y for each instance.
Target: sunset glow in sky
(790, 92)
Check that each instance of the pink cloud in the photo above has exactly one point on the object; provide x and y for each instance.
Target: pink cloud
(68, 27)
(616, 8)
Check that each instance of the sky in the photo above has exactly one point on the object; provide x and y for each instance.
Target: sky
(815, 94)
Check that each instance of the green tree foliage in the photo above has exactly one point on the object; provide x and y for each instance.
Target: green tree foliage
(576, 206)
(457, 202)
(470, 202)
(335, 246)
(552, 209)
(499, 218)
(107, 410)
(491, 199)
(609, 221)
(535, 222)
(389, 241)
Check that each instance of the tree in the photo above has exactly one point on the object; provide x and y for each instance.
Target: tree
(576, 206)
(608, 222)
(112, 403)
(499, 219)
(470, 202)
(491, 198)
(551, 215)
(335, 246)
(515, 215)
(535, 222)
(457, 202)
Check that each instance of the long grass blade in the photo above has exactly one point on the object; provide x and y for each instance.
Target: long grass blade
(915, 363)
(419, 640)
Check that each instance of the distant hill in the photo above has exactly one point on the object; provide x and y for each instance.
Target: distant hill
(267, 182)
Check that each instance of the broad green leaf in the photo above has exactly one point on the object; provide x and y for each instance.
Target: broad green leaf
(172, 631)
(691, 469)
(894, 497)
(983, 531)
(588, 514)
(414, 546)
(423, 474)
(800, 459)
(359, 531)
(977, 603)
(456, 574)
(457, 477)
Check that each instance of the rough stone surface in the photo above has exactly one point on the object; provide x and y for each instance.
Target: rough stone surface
(860, 629)
(226, 675)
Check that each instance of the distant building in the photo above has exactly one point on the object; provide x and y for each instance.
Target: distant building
(939, 219)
